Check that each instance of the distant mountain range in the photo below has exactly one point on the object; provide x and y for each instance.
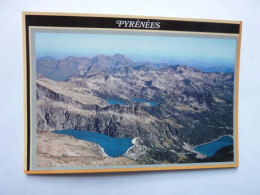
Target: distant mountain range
(191, 106)
(64, 69)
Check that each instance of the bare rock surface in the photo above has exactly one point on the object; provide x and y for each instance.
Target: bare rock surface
(192, 107)
(55, 150)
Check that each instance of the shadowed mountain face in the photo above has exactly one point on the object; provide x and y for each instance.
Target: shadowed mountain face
(190, 107)
(62, 70)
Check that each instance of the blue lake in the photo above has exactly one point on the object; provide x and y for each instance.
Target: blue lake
(144, 101)
(113, 146)
(211, 148)
(134, 100)
(116, 102)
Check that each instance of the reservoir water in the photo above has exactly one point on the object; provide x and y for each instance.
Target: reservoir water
(211, 148)
(144, 101)
(116, 102)
(113, 146)
(134, 100)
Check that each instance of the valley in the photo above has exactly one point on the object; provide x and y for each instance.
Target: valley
(167, 111)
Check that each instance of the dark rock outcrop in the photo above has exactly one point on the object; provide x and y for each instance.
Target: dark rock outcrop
(192, 107)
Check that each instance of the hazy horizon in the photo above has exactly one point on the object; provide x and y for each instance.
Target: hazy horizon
(174, 61)
(139, 48)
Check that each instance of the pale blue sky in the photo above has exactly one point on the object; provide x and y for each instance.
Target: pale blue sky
(135, 46)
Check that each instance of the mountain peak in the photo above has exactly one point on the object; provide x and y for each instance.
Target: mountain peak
(186, 68)
(120, 57)
(69, 58)
(119, 60)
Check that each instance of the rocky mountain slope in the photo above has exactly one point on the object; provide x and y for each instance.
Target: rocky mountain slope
(62, 70)
(62, 150)
(192, 107)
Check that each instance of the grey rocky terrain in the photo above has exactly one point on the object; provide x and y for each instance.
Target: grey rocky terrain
(192, 107)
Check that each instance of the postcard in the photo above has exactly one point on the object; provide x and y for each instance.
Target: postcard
(107, 93)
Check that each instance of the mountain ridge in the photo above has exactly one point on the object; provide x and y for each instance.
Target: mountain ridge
(66, 68)
(190, 103)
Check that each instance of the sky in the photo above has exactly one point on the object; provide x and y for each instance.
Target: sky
(136, 47)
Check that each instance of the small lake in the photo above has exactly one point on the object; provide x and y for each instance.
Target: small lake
(134, 100)
(211, 148)
(114, 147)
(144, 101)
(116, 102)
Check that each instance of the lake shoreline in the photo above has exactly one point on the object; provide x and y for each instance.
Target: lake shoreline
(210, 148)
(212, 141)
(113, 146)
